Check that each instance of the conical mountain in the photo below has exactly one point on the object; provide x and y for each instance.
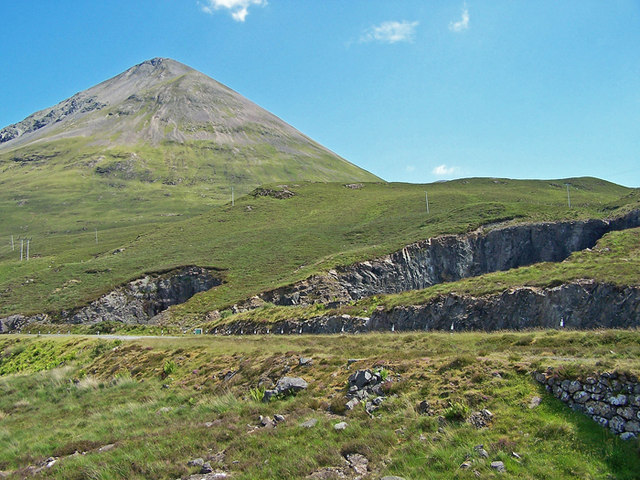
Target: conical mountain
(164, 131)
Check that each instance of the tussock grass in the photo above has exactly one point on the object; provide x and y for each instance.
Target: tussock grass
(202, 411)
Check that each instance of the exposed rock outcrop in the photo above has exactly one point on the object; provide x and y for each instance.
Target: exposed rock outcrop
(136, 302)
(450, 258)
(581, 305)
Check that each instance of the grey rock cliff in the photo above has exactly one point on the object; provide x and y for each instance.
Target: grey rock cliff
(449, 258)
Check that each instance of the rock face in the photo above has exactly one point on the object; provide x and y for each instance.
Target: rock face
(449, 258)
(139, 301)
(610, 399)
(136, 302)
(581, 305)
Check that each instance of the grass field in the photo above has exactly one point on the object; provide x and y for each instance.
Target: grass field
(152, 400)
(263, 242)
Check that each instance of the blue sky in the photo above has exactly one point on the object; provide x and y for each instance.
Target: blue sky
(413, 91)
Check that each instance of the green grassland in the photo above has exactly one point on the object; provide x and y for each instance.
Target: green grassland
(152, 398)
(263, 242)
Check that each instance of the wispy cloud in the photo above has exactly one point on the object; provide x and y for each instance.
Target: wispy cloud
(463, 23)
(390, 32)
(239, 9)
(443, 170)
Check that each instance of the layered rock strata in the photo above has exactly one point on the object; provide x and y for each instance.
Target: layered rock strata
(138, 301)
(449, 258)
(584, 304)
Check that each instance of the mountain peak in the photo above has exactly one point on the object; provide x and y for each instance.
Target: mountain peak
(159, 112)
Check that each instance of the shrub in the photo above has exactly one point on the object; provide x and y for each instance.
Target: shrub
(169, 367)
(456, 411)
(384, 373)
(257, 394)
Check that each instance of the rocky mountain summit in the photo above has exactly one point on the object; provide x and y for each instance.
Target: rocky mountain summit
(162, 121)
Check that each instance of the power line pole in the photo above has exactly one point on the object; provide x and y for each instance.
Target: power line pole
(232, 198)
(96, 235)
(12, 246)
(568, 196)
(21, 248)
(426, 198)
(28, 241)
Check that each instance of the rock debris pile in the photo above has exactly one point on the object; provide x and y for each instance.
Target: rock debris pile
(611, 399)
(367, 386)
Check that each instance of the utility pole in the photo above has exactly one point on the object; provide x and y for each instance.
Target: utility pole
(96, 235)
(426, 198)
(28, 240)
(232, 198)
(21, 248)
(568, 196)
(12, 246)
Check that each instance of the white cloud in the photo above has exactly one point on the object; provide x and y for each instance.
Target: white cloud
(390, 32)
(463, 23)
(442, 170)
(239, 9)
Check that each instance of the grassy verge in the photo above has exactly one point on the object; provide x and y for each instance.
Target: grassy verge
(162, 402)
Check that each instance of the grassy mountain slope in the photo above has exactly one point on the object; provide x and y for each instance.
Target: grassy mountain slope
(264, 242)
(159, 140)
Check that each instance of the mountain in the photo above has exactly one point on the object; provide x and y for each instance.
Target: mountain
(159, 132)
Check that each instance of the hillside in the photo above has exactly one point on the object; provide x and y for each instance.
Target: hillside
(159, 141)
(268, 239)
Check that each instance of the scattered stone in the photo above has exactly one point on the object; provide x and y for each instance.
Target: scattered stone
(424, 408)
(480, 419)
(354, 186)
(353, 403)
(278, 418)
(499, 466)
(305, 362)
(266, 422)
(288, 385)
(465, 465)
(481, 451)
(106, 448)
(328, 473)
(309, 423)
(340, 426)
(196, 462)
(358, 463)
(392, 477)
(206, 468)
(535, 402)
(515, 455)
(164, 410)
(628, 436)
(351, 361)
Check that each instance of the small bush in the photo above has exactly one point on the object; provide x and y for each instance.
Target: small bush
(257, 394)
(169, 367)
(456, 411)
